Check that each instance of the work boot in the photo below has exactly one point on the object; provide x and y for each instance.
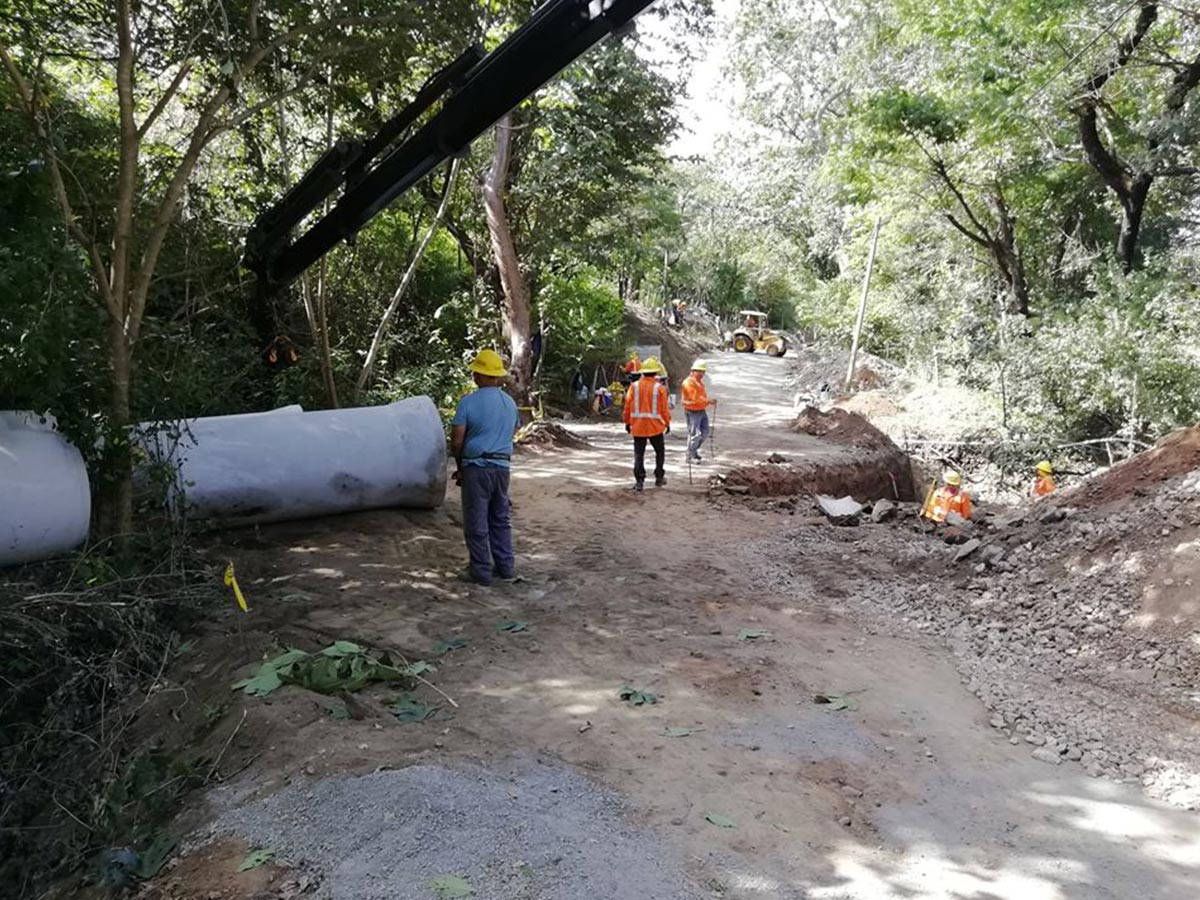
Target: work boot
(466, 575)
(660, 481)
(639, 486)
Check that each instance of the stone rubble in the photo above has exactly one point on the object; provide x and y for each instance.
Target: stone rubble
(1041, 613)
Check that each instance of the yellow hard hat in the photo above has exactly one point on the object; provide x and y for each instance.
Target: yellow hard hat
(651, 366)
(1045, 468)
(488, 362)
(951, 477)
(699, 366)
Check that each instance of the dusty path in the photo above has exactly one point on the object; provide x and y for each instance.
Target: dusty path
(542, 784)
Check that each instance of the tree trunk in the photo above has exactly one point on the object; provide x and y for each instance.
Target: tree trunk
(116, 499)
(322, 272)
(322, 322)
(1000, 241)
(516, 310)
(1008, 256)
(1133, 205)
(1119, 176)
(418, 252)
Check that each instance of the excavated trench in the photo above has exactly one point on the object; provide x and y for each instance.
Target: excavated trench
(875, 466)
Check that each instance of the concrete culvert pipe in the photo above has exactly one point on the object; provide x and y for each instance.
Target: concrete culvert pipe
(270, 467)
(45, 499)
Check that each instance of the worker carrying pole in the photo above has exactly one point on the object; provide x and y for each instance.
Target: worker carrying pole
(647, 415)
(695, 406)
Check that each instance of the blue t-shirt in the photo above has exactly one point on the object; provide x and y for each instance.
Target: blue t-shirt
(490, 416)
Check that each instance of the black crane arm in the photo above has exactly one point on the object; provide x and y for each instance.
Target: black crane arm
(475, 90)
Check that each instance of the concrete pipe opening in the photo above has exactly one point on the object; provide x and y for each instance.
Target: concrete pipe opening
(47, 500)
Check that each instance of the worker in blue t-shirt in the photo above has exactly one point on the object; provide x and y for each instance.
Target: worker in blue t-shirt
(481, 442)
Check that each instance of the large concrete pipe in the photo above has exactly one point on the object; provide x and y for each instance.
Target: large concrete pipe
(269, 467)
(45, 501)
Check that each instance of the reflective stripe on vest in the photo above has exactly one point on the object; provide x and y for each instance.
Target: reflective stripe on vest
(637, 399)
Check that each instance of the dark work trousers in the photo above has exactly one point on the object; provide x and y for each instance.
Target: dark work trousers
(487, 521)
(639, 457)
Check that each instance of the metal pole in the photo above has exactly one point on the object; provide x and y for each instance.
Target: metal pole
(862, 303)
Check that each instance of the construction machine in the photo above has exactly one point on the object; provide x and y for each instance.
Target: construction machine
(474, 92)
(754, 333)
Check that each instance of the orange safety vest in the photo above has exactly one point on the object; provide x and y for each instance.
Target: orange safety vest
(1043, 486)
(647, 411)
(694, 394)
(941, 503)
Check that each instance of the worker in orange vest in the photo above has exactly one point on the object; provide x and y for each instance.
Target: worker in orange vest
(949, 498)
(632, 366)
(1044, 482)
(695, 407)
(647, 415)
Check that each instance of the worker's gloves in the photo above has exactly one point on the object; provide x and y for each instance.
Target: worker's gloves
(628, 429)
(458, 476)
(668, 431)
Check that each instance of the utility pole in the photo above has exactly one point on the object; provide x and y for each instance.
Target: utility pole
(862, 303)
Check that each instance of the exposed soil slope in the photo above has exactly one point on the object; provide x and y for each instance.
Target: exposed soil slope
(1176, 454)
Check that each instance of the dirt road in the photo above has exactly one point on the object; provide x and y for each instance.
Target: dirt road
(540, 783)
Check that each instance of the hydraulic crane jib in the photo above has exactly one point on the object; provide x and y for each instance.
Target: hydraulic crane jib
(475, 91)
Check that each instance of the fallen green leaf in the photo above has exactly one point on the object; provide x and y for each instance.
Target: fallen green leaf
(261, 683)
(445, 646)
(836, 701)
(679, 732)
(255, 859)
(636, 697)
(512, 627)
(342, 648)
(719, 820)
(420, 667)
(407, 708)
(338, 710)
(752, 634)
(342, 666)
(451, 887)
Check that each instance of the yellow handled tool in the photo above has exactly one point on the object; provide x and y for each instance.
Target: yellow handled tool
(231, 581)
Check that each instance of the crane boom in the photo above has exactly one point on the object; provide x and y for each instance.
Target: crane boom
(475, 91)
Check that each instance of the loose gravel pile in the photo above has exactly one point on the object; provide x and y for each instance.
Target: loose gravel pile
(1043, 620)
(542, 834)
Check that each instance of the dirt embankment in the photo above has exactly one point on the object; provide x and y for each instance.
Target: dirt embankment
(680, 347)
(1176, 454)
(877, 469)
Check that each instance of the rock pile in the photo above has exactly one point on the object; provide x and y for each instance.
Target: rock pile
(1044, 613)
